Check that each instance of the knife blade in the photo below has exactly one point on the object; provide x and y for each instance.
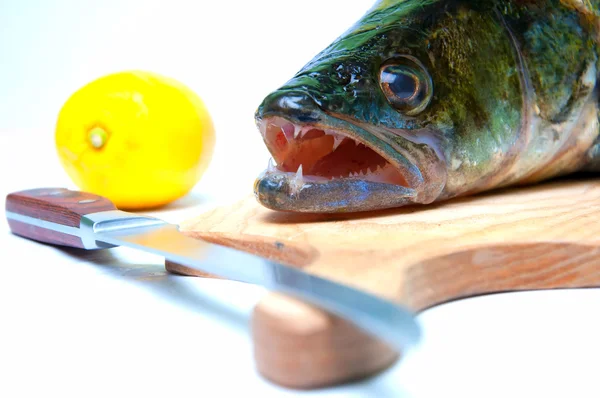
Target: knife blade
(90, 222)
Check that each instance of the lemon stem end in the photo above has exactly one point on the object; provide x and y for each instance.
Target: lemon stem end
(97, 137)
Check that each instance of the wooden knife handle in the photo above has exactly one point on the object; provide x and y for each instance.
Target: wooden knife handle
(25, 210)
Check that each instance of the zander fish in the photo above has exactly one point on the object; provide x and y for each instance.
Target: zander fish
(425, 100)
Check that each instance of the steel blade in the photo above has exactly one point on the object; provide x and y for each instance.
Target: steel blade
(381, 318)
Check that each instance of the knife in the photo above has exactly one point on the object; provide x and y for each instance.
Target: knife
(86, 221)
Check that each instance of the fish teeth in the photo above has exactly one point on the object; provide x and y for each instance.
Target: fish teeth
(271, 167)
(337, 140)
(286, 129)
(304, 131)
(297, 131)
(262, 127)
(297, 182)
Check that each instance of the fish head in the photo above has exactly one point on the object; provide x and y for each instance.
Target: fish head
(398, 110)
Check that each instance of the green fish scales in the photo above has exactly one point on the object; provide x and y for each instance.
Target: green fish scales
(421, 101)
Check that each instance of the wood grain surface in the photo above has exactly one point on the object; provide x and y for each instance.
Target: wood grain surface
(540, 237)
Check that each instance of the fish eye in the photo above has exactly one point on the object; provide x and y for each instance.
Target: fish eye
(406, 84)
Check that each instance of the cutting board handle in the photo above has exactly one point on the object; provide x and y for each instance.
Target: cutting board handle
(40, 214)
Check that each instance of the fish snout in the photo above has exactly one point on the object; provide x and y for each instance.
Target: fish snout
(297, 106)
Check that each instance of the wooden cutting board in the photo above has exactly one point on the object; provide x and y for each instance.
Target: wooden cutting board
(542, 237)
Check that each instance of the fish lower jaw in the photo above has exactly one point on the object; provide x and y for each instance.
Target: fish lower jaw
(295, 192)
(318, 154)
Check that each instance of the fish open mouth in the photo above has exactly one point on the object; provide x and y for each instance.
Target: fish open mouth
(316, 153)
(319, 169)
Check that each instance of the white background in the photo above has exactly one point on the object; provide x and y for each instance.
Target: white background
(113, 324)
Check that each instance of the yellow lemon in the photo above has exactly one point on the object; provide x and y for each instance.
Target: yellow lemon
(138, 138)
